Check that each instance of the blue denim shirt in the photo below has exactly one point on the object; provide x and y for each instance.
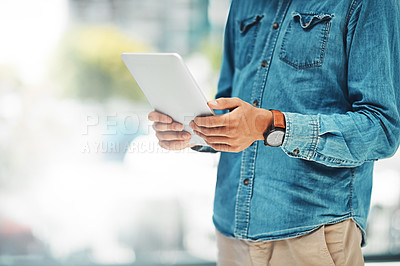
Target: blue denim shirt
(333, 68)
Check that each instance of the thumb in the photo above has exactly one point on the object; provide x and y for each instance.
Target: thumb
(225, 103)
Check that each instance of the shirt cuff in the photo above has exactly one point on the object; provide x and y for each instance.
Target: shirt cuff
(301, 135)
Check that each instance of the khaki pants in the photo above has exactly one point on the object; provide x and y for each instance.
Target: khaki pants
(338, 244)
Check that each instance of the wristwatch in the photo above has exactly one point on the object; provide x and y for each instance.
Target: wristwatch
(275, 133)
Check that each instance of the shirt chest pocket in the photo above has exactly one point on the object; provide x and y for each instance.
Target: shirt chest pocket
(245, 40)
(305, 40)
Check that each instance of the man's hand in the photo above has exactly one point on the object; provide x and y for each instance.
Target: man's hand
(236, 130)
(170, 134)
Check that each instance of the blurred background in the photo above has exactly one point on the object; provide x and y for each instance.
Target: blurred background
(82, 179)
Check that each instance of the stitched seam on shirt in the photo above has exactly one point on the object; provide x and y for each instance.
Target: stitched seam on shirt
(314, 155)
(339, 162)
(242, 173)
(350, 12)
(247, 191)
(244, 232)
(287, 132)
(288, 136)
(250, 195)
(325, 40)
(352, 9)
(315, 63)
(334, 221)
(264, 80)
(315, 132)
(351, 191)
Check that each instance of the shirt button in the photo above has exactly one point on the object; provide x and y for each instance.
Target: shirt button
(296, 151)
(264, 63)
(246, 181)
(275, 26)
(255, 103)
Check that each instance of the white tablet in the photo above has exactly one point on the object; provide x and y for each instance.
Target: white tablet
(169, 87)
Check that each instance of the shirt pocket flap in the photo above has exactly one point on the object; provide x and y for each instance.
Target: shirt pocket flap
(309, 20)
(246, 24)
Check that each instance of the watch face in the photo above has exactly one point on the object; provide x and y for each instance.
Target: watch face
(275, 138)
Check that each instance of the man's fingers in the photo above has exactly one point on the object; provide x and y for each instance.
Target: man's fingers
(225, 103)
(210, 131)
(172, 135)
(212, 121)
(214, 139)
(159, 117)
(157, 126)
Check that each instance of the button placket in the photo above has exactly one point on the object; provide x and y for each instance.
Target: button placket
(245, 189)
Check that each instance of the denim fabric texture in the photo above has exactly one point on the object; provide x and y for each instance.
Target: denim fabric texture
(333, 68)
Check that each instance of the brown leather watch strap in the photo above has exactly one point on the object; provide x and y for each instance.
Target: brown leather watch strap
(279, 119)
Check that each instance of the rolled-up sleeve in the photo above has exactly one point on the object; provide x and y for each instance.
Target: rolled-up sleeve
(371, 129)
